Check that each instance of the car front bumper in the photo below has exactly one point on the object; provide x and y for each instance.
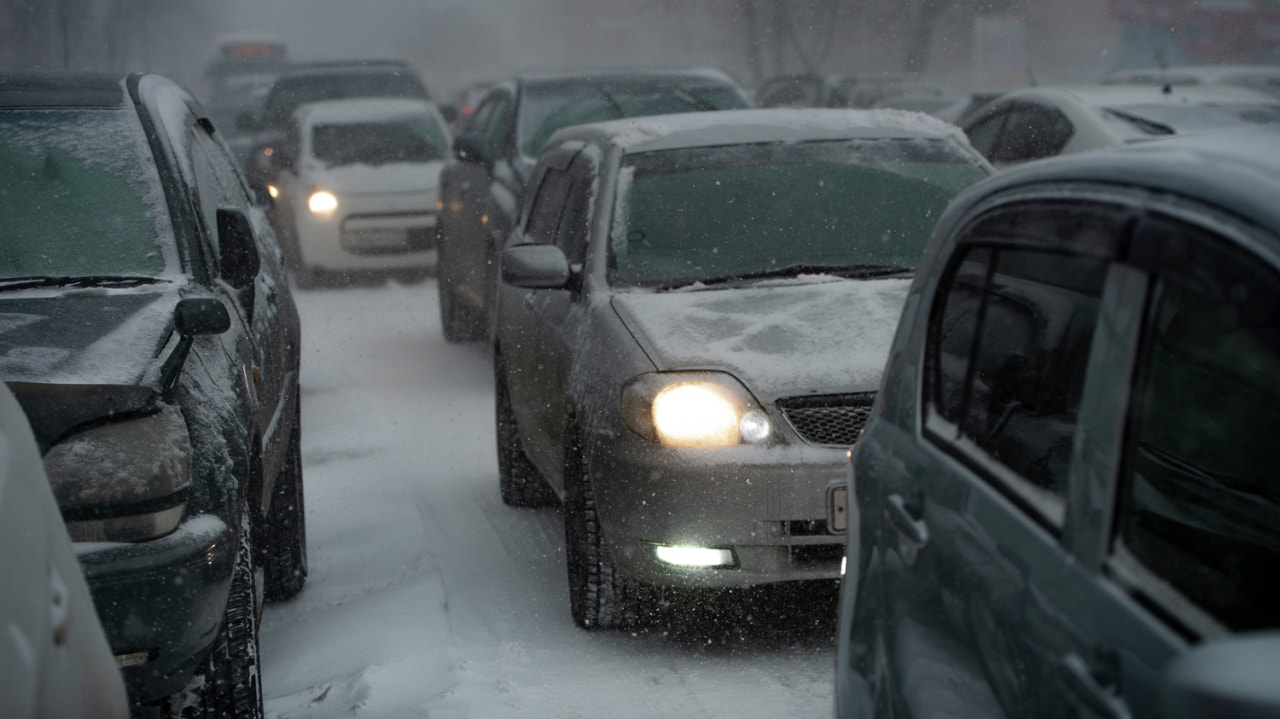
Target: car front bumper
(161, 602)
(369, 232)
(766, 505)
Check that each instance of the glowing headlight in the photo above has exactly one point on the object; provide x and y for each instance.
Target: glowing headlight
(693, 409)
(322, 202)
(123, 481)
(273, 191)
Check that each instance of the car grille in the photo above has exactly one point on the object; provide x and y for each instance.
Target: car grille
(832, 420)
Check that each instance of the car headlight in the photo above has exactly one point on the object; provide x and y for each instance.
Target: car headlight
(322, 202)
(123, 481)
(693, 409)
(273, 191)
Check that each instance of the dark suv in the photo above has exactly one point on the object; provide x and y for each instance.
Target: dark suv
(316, 82)
(1066, 495)
(481, 193)
(149, 334)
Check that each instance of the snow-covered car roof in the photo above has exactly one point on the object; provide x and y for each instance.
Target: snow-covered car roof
(1103, 96)
(1238, 172)
(627, 75)
(363, 109)
(1192, 74)
(734, 127)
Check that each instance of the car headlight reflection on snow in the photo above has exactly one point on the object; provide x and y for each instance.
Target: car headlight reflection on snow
(693, 409)
(322, 202)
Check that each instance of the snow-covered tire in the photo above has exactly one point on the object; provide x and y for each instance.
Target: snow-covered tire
(286, 566)
(598, 597)
(520, 481)
(228, 685)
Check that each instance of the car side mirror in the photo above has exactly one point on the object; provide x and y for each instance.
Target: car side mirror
(238, 260)
(1231, 677)
(535, 267)
(194, 316)
(474, 149)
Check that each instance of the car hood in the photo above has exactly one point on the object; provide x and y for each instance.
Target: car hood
(100, 337)
(781, 340)
(391, 178)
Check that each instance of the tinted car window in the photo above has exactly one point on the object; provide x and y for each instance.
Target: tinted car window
(544, 216)
(290, 93)
(80, 210)
(377, 143)
(711, 212)
(983, 135)
(1031, 132)
(1009, 344)
(1200, 501)
(795, 91)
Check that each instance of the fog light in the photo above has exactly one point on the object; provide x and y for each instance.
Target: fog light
(694, 556)
(273, 191)
(844, 564)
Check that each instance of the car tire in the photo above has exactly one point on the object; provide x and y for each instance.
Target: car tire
(598, 597)
(286, 566)
(453, 320)
(520, 481)
(228, 685)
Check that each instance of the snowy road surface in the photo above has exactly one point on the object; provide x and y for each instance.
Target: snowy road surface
(429, 597)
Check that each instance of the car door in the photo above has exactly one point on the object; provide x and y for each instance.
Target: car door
(971, 572)
(535, 320)
(1184, 497)
(479, 190)
(275, 321)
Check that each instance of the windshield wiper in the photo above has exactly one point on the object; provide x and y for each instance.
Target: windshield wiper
(113, 281)
(853, 272)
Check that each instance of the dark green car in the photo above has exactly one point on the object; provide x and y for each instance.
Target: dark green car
(147, 330)
(1065, 502)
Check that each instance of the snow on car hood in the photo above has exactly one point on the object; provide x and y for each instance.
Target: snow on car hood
(95, 338)
(780, 339)
(378, 179)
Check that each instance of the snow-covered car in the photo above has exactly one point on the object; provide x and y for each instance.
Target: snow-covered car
(1064, 503)
(1260, 78)
(482, 191)
(1038, 122)
(665, 358)
(357, 187)
(54, 659)
(150, 335)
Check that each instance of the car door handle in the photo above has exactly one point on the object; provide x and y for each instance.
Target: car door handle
(905, 521)
(1085, 689)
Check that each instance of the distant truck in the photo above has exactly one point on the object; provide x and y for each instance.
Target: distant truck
(246, 65)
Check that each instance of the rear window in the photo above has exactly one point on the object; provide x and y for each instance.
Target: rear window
(291, 93)
(80, 195)
(546, 109)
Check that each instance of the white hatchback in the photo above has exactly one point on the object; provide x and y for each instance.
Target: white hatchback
(358, 188)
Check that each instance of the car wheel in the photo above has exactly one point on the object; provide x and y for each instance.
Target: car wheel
(598, 597)
(229, 683)
(454, 322)
(521, 483)
(286, 569)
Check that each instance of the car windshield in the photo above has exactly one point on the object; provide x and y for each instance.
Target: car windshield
(548, 108)
(1166, 119)
(725, 212)
(291, 93)
(90, 201)
(410, 139)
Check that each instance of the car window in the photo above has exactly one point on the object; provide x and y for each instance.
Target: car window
(1199, 500)
(983, 134)
(1009, 343)
(497, 128)
(548, 205)
(707, 213)
(85, 206)
(290, 93)
(408, 139)
(571, 236)
(1031, 132)
(791, 91)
